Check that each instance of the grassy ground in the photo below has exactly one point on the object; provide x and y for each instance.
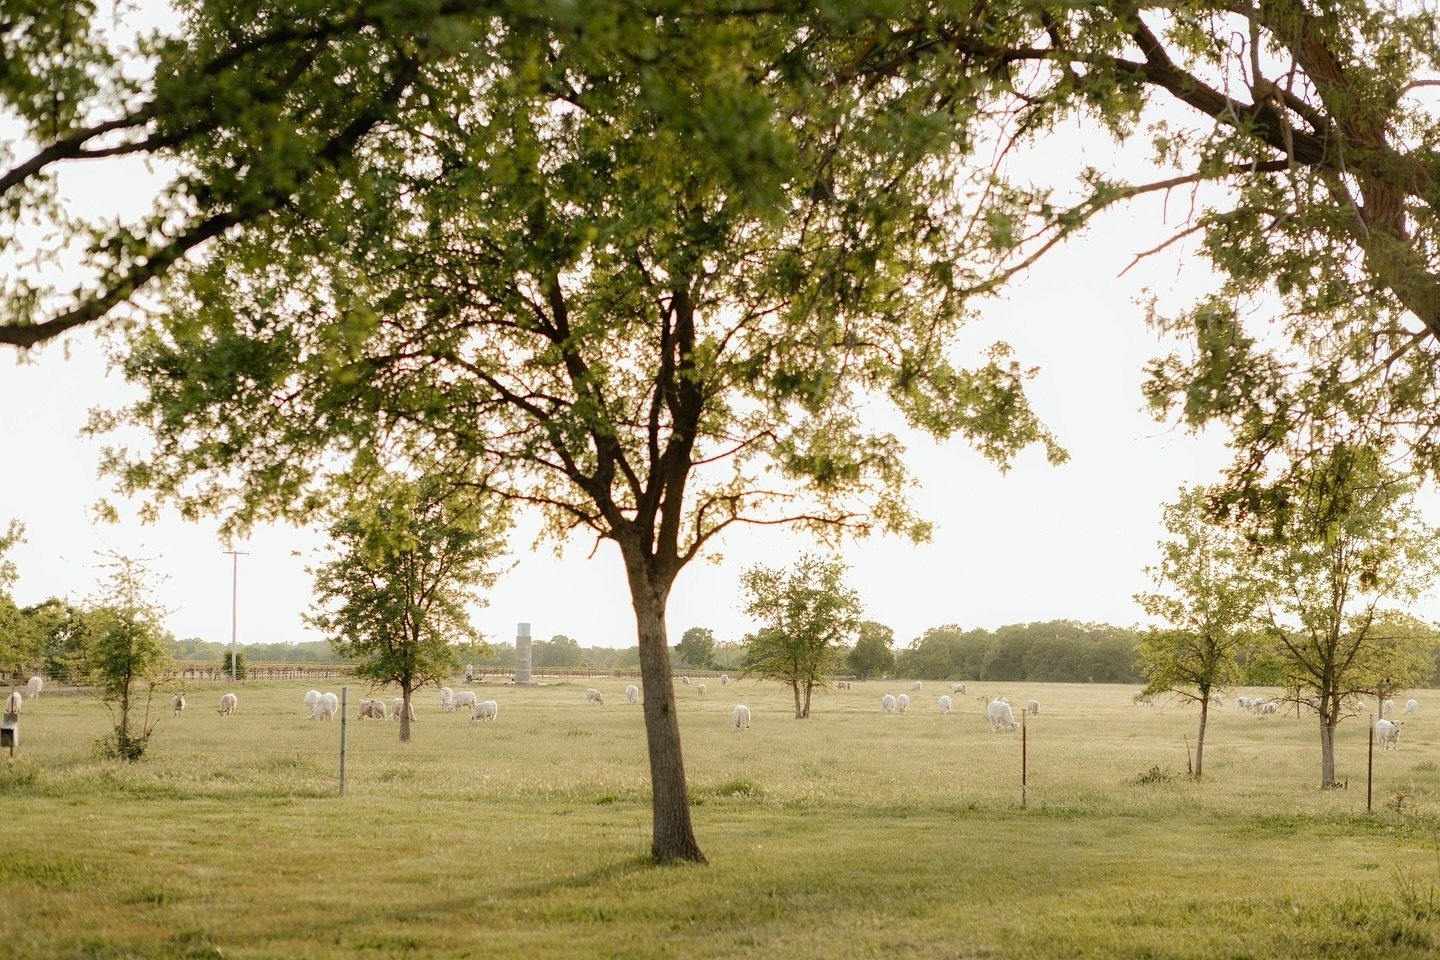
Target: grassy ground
(852, 834)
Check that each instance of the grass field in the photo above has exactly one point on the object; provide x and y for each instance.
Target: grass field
(851, 834)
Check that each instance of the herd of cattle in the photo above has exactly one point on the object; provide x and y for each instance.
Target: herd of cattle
(325, 706)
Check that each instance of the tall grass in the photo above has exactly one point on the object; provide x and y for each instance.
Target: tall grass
(851, 834)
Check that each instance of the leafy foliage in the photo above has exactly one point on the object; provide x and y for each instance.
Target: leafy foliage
(872, 655)
(697, 647)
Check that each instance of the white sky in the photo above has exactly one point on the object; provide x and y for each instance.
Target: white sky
(1039, 543)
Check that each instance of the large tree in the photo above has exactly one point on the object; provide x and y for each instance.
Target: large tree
(696, 647)
(873, 653)
(409, 557)
(1351, 541)
(1205, 600)
(651, 294)
(807, 615)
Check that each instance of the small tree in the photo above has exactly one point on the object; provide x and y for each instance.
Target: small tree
(1209, 604)
(807, 614)
(697, 647)
(872, 654)
(128, 649)
(1344, 538)
(409, 558)
(239, 670)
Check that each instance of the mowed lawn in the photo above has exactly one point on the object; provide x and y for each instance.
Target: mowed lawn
(851, 834)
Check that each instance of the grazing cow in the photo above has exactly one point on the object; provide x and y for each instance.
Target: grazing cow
(957, 688)
(1269, 706)
(12, 702)
(465, 698)
(915, 685)
(632, 694)
(684, 679)
(700, 689)
(177, 703)
(1411, 706)
(1387, 708)
(446, 696)
(887, 703)
(228, 703)
(33, 687)
(1033, 708)
(999, 715)
(1243, 702)
(842, 684)
(371, 708)
(484, 710)
(724, 679)
(1359, 704)
(312, 697)
(1216, 699)
(741, 716)
(327, 707)
(1140, 696)
(1387, 734)
(594, 696)
(398, 706)
(944, 705)
(902, 703)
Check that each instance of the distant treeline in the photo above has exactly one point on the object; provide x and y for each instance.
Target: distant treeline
(1060, 651)
(196, 650)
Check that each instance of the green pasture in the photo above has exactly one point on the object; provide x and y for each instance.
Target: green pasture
(851, 834)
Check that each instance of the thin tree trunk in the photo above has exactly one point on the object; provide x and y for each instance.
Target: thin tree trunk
(673, 836)
(806, 714)
(405, 683)
(1200, 736)
(795, 689)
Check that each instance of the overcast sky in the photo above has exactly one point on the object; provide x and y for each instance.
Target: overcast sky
(1038, 543)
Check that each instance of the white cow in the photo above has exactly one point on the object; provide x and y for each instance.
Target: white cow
(594, 696)
(228, 703)
(945, 704)
(327, 706)
(1243, 702)
(371, 708)
(632, 694)
(684, 679)
(33, 687)
(398, 706)
(12, 702)
(887, 703)
(741, 716)
(724, 679)
(902, 703)
(177, 703)
(915, 685)
(700, 689)
(1387, 708)
(446, 696)
(1033, 708)
(465, 698)
(1387, 734)
(312, 697)
(999, 715)
(1217, 699)
(484, 710)
(1411, 706)
(1269, 706)
(957, 688)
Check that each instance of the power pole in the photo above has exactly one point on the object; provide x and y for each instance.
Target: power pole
(235, 556)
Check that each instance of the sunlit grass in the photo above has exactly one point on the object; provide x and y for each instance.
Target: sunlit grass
(851, 834)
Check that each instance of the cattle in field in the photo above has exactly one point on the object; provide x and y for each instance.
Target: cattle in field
(741, 716)
(33, 687)
(12, 702)
(594, 696)
(485, 710)
(1387, 708)
(177, 703)
(1033, 708)
(1387, 734)
(999, 715)
(632, 694)
(1411, 706)
(228, 703)
(465, 698)
(887, 703)
(957, 688)
(945, 704)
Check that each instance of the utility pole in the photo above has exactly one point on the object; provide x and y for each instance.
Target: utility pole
(235, 556)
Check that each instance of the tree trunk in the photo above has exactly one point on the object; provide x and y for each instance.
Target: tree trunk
(1327, 753)
(405, 683)
(795, 689)
(1200, 736)
(673, 837)
(805, 714)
